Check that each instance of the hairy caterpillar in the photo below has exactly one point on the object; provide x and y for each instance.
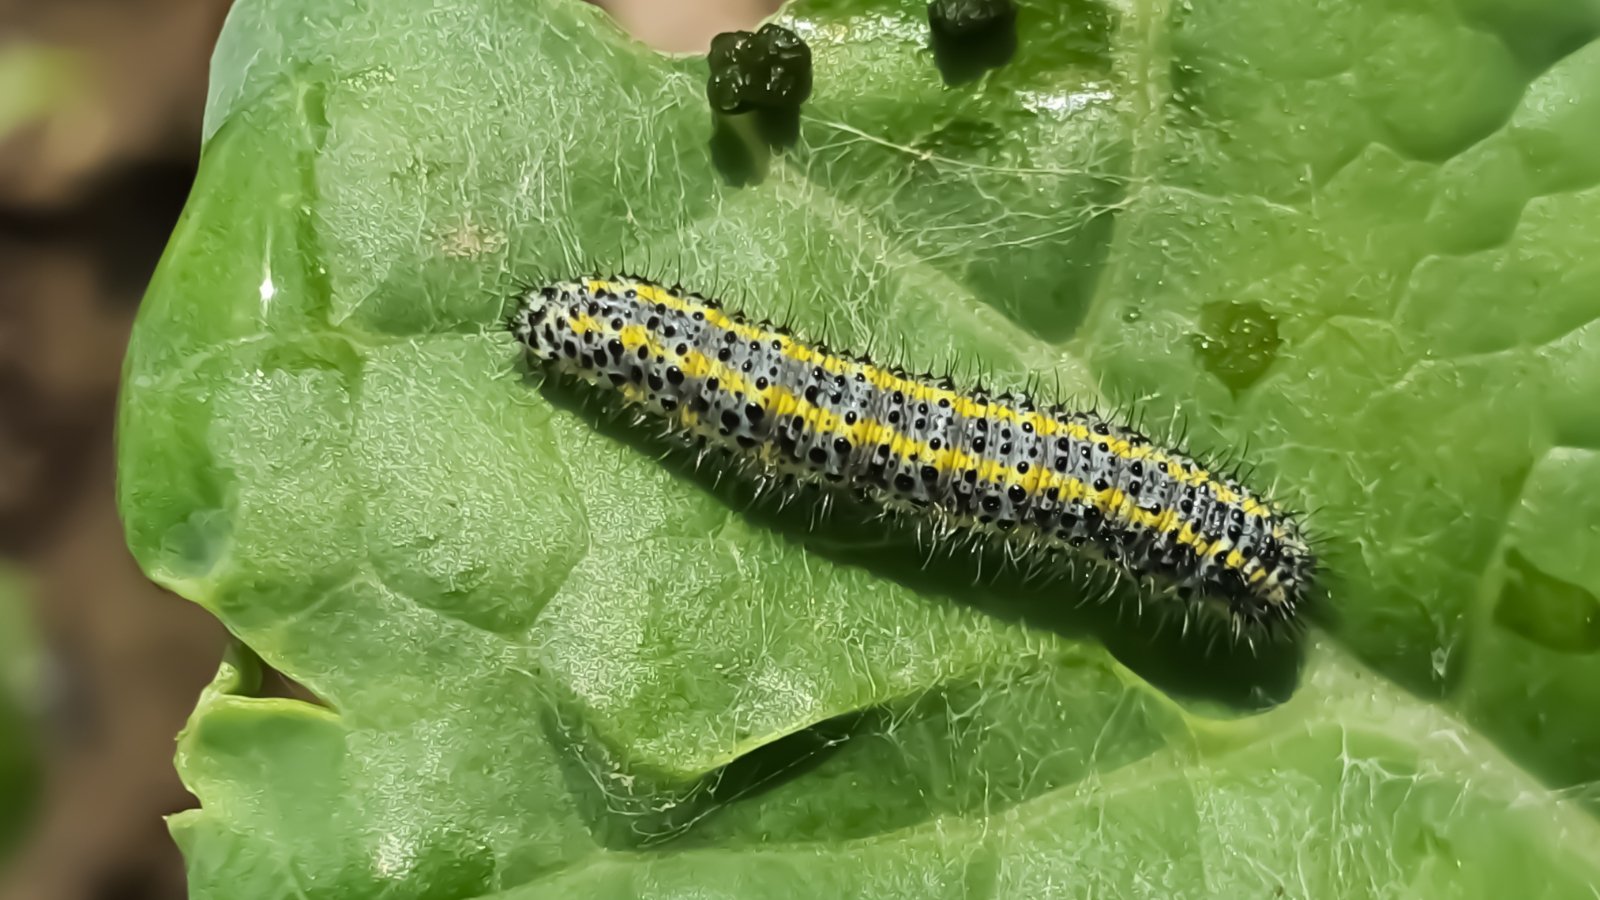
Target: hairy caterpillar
(1056, 480)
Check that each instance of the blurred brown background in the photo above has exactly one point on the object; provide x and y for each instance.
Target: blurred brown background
(100, 109)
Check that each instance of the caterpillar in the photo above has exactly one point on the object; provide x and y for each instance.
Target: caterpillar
(1057, 481)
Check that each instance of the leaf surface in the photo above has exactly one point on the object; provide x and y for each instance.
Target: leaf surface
(1357, 237)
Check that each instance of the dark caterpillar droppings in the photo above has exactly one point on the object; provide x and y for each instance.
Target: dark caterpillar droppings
(766, 69)
(965, 17)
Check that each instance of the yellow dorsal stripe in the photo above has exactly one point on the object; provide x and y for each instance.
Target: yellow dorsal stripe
(1178, 470)
(868, 433)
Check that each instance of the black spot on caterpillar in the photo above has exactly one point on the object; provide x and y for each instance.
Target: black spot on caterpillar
(1058, 481)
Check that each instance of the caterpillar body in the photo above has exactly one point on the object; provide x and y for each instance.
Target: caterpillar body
(1059, 481)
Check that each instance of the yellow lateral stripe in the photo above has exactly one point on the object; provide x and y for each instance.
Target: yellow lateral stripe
(870, 433)
(837, 365)
(633, 336)
(962, 405)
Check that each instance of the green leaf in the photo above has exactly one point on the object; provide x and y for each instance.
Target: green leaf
(1356, 236)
